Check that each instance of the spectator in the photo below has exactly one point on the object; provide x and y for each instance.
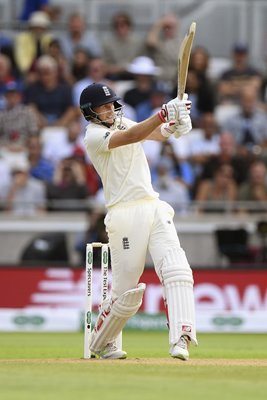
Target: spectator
(50, 98)
(219, 193)
(161, 42)
(144, 72)
(255, 189)
(6, 76)
(40, 167)
(159, 95)
(77, 36)
(181, 169)
(55, 51)
(121, 46)
(63, 142)
(199, 61)
(26, 195)
(228, 154)
(202, 95)
(17, 121)
(32, 43)
(206, 145)
(249, 125)
(68, 186)
(30, 6)
(169, 189)
(239, 75)
(96, 72)
(93, 182)
(79, 64)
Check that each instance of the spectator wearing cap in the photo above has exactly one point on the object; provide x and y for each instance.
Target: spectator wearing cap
(161, 45)
(120, 46)
(30, 6)
(17, 121)
(50, 97)
(144, 71)
(32, 43)
(239, 75)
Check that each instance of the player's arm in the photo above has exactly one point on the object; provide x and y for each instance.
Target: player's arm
(135, 133)
(174, 110)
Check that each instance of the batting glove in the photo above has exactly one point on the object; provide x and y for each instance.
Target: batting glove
(175, 109)
(183, 128)
(168, 129)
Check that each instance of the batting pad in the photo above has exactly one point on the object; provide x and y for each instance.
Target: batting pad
(178, 281)
(112, 319)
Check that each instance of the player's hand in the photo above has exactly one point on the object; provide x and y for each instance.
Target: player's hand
(168, 129)
(175, 109)
(183, 127)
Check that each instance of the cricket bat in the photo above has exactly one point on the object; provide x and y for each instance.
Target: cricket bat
(183, 60)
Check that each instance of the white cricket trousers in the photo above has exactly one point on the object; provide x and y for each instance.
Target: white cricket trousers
(133, 229)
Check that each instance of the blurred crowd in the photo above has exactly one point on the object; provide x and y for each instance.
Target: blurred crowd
(43, 163)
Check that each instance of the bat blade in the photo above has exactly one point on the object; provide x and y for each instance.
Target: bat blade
(183, 60)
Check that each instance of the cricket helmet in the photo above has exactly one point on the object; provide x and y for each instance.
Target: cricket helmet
(95, 95)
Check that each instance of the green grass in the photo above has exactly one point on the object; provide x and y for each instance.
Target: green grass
(49, 366)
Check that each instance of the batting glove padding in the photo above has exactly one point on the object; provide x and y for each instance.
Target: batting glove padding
(175, 109)
(183, 128)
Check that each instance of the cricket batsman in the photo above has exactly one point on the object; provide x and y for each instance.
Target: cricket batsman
(137, 221)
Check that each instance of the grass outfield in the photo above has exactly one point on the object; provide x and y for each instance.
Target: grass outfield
(49, 366)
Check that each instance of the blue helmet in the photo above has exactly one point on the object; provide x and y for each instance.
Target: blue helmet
(96, 95)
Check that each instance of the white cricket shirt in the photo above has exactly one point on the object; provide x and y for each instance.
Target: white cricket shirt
(124, 171)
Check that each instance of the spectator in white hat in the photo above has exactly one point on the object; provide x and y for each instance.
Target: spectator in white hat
(144, 71)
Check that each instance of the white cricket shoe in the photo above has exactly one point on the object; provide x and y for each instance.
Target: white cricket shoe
(180, 349)
(111, 352)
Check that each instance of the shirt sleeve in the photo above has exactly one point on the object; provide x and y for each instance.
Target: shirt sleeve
(97, 138)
